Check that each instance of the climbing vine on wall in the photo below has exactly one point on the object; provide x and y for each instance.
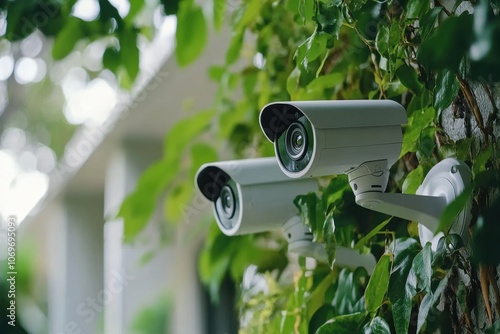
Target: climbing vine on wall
(437, 60)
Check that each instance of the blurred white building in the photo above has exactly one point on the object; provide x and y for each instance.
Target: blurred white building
(94, 282)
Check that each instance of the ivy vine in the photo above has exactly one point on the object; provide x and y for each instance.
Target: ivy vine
(441, 60)
(435, 59)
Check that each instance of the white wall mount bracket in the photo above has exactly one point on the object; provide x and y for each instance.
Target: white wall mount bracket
(300, 241)
(444, 182)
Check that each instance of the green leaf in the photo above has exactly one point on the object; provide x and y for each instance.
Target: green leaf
(377, 326)
(306, 10)
(311, 213)
(108, 11)
(413, 180)
(427, 141)
(135, 8)
(446, 90)
(317, 297)
(453, 209)
(14, 20)
(329, 238)
(249, 12)
(378, 283)
(246, 252)
(212, 273)
(201, 153)
(417, 121)
(138, 206)
(429, 21)
(318, 88)
(417, 8)
(408, 77)
(400, 291)
(334, 193)
(446, 47)
(216, 73)
(418, 279)
(489, 178)
(422, 269)
(423, 311)
(394, 37)
(233, 52)
(312, 48)
(170, 7)
(363, 242)
(176, 205)
(420, 102)
(153, 318)
(111, 59)
(184, 132)
(382, 41)
(129, 52)
(219, 13)
(67, 38)
(344, 324)
(191, 34)
(348, 297)
(429, 300)
(329, 17)
(481, 160)
(322, 315)
(368, 14)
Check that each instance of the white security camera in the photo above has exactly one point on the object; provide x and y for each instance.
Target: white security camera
(362, 139)
(250, 195)
(253, 195)
(319, 138)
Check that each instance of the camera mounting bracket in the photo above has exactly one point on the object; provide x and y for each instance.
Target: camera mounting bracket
(444, 182)
(300, 241)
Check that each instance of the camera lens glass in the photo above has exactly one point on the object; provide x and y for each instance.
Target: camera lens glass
(295, 145)
(296, 141)
(227, 202)
(227, 206)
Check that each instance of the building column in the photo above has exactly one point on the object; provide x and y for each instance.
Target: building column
(76, 294)
(146, 283)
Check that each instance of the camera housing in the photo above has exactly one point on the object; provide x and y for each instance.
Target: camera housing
(319, 138)
(250, 195)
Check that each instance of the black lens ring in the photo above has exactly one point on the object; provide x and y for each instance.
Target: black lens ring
(297, 165)
(227, 202)
(228, 219)
(295, 152)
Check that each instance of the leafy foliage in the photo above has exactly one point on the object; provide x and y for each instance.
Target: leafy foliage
(420, 54)
(435, 60)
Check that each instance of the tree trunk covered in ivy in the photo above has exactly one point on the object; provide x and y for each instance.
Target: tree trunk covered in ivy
(440, 60)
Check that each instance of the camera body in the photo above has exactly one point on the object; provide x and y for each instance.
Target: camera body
(250, 195)
(319, 138)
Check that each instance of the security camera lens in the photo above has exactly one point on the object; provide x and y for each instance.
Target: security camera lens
(295, 146)
(296, 141)
(227, 206)
(227, 202)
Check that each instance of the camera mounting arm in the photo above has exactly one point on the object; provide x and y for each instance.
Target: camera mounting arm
(444, 182)
(300, 241)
